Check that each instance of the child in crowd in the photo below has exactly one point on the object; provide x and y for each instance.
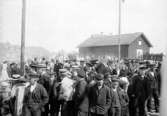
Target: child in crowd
(115, 109)
(124, 99)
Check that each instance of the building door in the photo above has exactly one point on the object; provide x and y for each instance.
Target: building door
(139, 53)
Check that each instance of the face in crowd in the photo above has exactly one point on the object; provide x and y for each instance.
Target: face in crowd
(74, 73)
(142, 72)
(115, 84)
(33, 81)
(99, 82)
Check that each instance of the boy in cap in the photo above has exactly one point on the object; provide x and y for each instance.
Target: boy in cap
(99, 97)
(35, 97)
(124, 99)
(115, 109)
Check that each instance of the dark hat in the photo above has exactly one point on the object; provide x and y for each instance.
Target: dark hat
(142, 62)
(142, 67)
(115, 80)
(81, 73)
(99, 77)
(20, 80)
(33, 75)
(38, 66)
(94, 61)
(89, 64)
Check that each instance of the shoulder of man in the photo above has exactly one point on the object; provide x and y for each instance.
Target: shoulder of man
(40, 86)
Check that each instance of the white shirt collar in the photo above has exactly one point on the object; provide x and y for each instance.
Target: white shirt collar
(32, 87)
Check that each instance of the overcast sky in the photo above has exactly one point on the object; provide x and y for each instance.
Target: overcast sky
(63, 24)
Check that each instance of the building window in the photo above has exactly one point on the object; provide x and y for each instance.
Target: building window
(140, 43)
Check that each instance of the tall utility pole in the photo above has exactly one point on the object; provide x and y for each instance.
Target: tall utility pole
(23, 26)
(119, 31)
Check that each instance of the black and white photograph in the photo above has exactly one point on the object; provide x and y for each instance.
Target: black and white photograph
(83, 58)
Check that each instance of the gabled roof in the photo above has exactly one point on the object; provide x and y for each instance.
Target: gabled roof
(110, 40)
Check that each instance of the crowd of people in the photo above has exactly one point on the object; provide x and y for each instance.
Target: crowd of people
(81, 88)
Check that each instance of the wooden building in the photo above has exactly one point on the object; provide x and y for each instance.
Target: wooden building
(133, 45)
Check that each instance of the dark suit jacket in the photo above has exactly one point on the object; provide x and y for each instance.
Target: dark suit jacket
(100, 100)
(39, 97)
(46, 82)
(81, 96)
(139, 88)
(124, 99)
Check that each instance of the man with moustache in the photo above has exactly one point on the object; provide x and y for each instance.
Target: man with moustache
(99, 97)
(35, 97)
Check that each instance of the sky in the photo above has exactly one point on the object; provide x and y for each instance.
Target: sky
(64, 24)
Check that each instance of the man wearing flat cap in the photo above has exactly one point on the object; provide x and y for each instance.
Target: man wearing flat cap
(99, 97)
(35, 97)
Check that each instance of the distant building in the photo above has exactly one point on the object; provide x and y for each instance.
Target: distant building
(133, 45)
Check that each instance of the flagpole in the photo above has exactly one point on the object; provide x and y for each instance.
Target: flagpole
(119, 31)
(23, 25)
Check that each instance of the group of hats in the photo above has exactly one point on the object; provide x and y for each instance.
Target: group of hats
(100, 77)
(146, 65)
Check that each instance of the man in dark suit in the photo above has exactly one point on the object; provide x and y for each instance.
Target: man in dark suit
(35, 97)
(57, 66)
(139, 92)
(153, 91)
(45, 80)
(81, 95)
(99, 97)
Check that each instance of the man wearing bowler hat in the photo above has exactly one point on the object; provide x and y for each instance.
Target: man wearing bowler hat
(99, 97)
(35, 97)
(139, 92)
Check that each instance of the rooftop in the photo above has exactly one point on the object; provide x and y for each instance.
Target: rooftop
(109, 40)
